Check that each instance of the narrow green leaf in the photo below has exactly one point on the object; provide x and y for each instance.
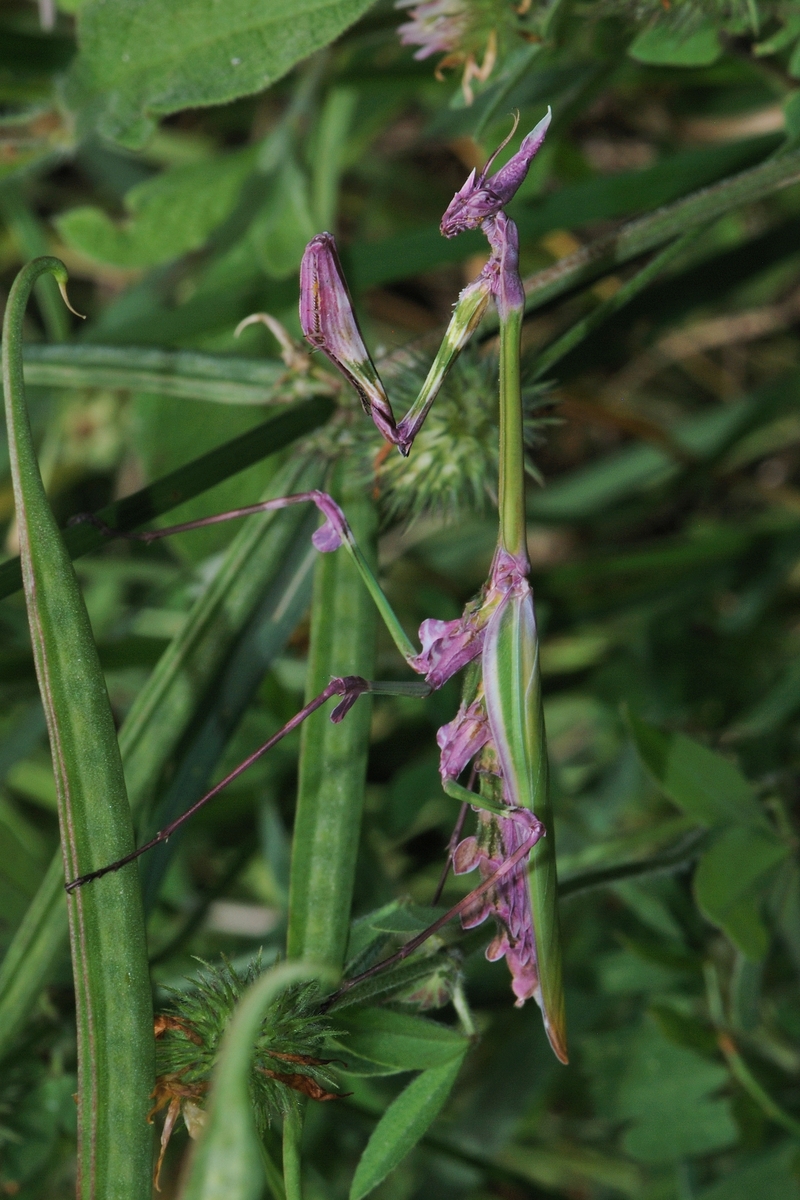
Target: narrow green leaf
(605, 253)
(226, 1163)
(185, 374)
(145, 60)
(397, 1039)
(730, 884)
(41, 936)
(113, 1001)
(704, 784)
(333, 758)
(31, 237)
(188, 481)
(402, 1125)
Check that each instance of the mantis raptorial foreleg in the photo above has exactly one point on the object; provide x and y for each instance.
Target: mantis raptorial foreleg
(329, 321)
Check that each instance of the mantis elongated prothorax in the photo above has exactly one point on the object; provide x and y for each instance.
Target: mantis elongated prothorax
(499, 728)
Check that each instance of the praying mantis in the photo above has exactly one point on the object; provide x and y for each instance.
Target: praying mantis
(499, 728)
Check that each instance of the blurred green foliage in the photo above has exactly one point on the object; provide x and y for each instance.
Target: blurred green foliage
(177, 157)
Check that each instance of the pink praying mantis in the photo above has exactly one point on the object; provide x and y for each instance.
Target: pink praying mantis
(499, 728)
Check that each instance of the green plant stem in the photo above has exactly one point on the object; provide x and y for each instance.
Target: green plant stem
(333, 757)
(671, 860)
(292, 1165)
(112, 987)
(272, 1175)
(511, 491)
(738, 1067)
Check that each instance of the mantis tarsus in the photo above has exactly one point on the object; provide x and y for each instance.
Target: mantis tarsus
(499, 727)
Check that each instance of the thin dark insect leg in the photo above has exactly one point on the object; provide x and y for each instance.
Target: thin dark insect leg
(454, 839)
(350, 688)
(504, 869)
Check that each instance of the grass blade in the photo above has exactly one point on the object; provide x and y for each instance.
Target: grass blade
(605, 253)
(158, 720)
(187, 482)
(225, 379)
(112, 986)
(333, 758)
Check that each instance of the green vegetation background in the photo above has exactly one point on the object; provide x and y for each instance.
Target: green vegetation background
(178, 168)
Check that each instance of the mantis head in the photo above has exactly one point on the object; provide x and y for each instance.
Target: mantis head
(484, 195)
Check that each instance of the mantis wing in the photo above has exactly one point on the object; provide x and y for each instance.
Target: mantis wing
(514, 705)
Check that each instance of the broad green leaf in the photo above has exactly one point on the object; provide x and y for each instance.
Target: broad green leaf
(663, 45)
(139, 61)
(398, 1040)
(512, 686)
(280, 233)
(113, 999)
(402, 1125)
(226, 1163)
(169, 215)
(663, 1090)
(771, 1176)
(704, 784)
(333, 758)
(407, 919)
(730, 884)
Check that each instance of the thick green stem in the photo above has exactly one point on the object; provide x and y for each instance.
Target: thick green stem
(333, 757)
(511, 497)
(112, 987)
(292, 1176)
